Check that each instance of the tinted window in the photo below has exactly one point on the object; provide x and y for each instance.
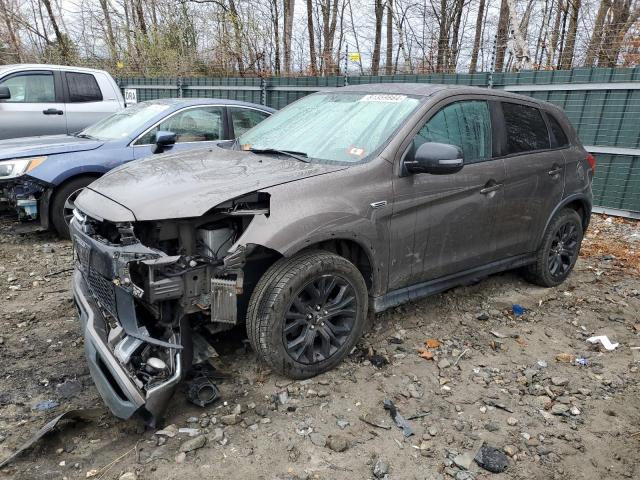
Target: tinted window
(31, 88)
(190, 125)
(558, 133)
(464, 124)
(83, 88)
(525, 128)
(245, 118)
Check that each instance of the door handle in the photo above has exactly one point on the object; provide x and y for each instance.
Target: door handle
(52, 111)
(555, 171)
(491, 188)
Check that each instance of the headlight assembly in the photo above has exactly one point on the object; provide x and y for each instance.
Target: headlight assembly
(19, 166)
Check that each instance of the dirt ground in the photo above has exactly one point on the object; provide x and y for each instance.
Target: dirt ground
(528, 385)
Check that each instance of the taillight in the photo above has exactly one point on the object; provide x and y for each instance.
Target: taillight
(592, 162)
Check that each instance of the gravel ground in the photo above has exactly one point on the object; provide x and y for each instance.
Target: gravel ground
(473, 374)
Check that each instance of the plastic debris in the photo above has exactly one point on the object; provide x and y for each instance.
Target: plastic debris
(407, 430)
(79, 414)
(201, 390)
(604, 340)
(46, 405)
(517, 309)
(492, 459)
(582, 361)
(378, 360)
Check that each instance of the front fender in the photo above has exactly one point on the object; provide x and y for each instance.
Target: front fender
(329, 207)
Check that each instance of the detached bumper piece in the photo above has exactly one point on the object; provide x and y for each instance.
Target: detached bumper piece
(135, 372)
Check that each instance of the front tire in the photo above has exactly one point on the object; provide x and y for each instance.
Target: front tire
(558, 250)
(306, 313)
(62, 204)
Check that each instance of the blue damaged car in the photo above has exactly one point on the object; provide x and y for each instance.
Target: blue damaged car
(41, 176)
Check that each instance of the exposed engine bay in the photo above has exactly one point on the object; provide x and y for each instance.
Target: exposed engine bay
(155, 282)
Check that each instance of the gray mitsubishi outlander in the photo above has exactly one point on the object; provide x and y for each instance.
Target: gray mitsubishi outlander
(347, 202)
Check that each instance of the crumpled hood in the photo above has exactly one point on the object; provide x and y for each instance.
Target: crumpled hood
(188, 184)
(45, 145)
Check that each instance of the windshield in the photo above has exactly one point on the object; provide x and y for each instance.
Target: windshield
(123, 123)
(335, 127)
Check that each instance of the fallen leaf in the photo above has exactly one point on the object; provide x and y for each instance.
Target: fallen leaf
(565, 357)
(636, 327)
(93, 473)
(426, 354)
(432, 343)
(521, 341)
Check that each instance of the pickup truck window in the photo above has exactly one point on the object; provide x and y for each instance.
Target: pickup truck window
(31, 88)
(83, 88)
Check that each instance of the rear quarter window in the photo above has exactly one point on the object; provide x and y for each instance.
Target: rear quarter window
(83, 87)
(525, 129)
(559, 136)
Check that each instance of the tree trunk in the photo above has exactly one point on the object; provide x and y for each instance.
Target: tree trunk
(502, 36)
(375, 57)
(62, 41)
(237, 36)
(312, 47)
(473, 66)
(566, 61)
(111, 41)
(388, 64)
(443, 37)
(276, 35)
(551, 51)
(13, 39)
(593, 50)
(289, 6)
(355, 36)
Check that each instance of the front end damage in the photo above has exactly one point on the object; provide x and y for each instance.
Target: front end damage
(142, 287)
(26, 195)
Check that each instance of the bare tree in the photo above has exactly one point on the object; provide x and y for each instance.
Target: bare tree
(288, 11)
(388, 64)
(473, 66)
(375, 57)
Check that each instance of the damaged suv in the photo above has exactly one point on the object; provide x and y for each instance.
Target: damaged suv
(347, 202)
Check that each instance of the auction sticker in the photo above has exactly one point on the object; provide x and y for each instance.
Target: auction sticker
(385, 98)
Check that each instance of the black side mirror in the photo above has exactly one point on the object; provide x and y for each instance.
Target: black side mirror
(164, 140)
(5, 93)
(435, 158)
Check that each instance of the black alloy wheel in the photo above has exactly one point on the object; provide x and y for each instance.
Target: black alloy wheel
(319, 319)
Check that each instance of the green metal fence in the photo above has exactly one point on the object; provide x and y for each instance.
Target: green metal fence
(602, 103)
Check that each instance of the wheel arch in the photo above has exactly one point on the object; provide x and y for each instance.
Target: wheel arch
(48, 199)
(580, 203)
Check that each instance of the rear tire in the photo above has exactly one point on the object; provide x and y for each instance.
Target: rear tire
(60, 208)
(306, 313)
(558, 250)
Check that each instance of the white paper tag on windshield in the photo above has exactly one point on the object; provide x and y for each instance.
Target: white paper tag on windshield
(386, 98)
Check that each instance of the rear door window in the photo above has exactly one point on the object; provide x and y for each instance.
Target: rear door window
(83, 88)
(559, 137)
(525, 129)
(31, 88)
(244, 119)
(465, 124)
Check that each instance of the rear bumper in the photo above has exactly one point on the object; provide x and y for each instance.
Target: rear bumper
(114, 383)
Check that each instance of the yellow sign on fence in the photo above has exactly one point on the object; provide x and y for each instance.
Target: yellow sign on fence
(354, 56)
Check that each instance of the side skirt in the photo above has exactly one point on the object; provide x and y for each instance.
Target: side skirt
(431, 287)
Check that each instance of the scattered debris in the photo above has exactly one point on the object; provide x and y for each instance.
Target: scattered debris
(432, 343)
(424, 353)
(45, 405)
(79, 414)
(407, 430)
(492, 459)
(604, 340)
(517, 309)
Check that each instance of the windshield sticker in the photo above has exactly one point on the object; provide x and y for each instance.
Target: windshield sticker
(383, 98)
(358, 152)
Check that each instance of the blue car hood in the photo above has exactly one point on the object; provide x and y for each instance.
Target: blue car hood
(46, 145)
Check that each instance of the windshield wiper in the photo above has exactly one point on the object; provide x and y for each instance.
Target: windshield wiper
(301, 156)
(84, 135)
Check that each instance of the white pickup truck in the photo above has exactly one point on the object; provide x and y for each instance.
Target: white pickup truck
(53, 99)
